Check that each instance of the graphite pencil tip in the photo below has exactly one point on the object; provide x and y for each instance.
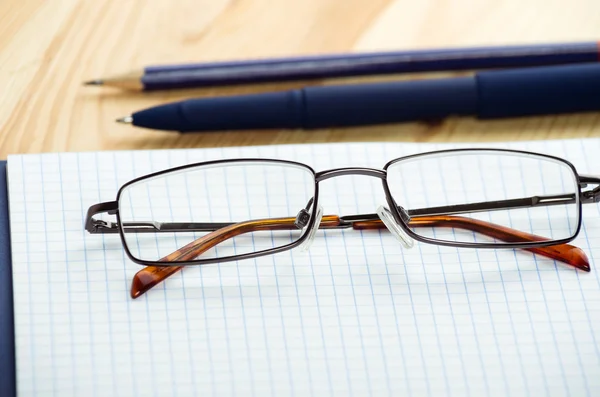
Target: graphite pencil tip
(94, 82)
(125, 120)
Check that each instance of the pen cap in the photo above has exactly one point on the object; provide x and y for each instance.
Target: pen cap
(539, 90)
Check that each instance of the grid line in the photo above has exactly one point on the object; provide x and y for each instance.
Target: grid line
(91, 345)
(124, 283)
(360, 334)
(493, 325)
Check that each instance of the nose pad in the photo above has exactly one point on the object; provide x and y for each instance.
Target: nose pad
(311, 233)
(388, 220)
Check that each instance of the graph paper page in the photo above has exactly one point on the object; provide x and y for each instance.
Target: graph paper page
(358, 315)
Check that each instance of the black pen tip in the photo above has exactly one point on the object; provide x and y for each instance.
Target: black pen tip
(94, 82)
(125, 120)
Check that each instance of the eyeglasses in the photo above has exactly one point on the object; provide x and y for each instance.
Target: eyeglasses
(230, 210)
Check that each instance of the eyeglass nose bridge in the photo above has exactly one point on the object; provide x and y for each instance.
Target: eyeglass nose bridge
(395, 226)
(374, 172)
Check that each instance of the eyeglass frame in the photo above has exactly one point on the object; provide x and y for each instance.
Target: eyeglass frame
(94, 226)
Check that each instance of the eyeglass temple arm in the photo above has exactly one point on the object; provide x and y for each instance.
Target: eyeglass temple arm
(589, 196)
(150, 276)
(100, 226)
(565, 253)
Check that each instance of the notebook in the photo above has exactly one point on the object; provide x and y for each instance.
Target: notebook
(358, 315)
(7, 345)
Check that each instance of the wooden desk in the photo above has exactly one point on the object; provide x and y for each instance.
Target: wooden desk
(48, 47)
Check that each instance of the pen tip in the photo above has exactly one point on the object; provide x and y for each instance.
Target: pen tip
(94, 82)
(125, 120)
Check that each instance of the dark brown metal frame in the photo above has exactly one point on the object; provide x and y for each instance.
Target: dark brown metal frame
(400, 215)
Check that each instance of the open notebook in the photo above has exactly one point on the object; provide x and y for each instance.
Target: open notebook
(357, 315)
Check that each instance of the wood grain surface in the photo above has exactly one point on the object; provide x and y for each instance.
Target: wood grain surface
(48, 47)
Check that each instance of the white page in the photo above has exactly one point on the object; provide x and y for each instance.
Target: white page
(358, 315)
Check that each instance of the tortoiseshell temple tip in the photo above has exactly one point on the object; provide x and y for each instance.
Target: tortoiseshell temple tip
(141, 283)
(148, 277)
(579, 259)
(565, 253)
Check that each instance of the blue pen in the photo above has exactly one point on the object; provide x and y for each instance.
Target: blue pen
(490, 94)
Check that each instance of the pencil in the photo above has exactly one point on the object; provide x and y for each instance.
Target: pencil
(192, 75)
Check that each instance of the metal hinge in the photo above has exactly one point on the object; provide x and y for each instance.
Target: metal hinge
(100, 226)
(592, 196)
